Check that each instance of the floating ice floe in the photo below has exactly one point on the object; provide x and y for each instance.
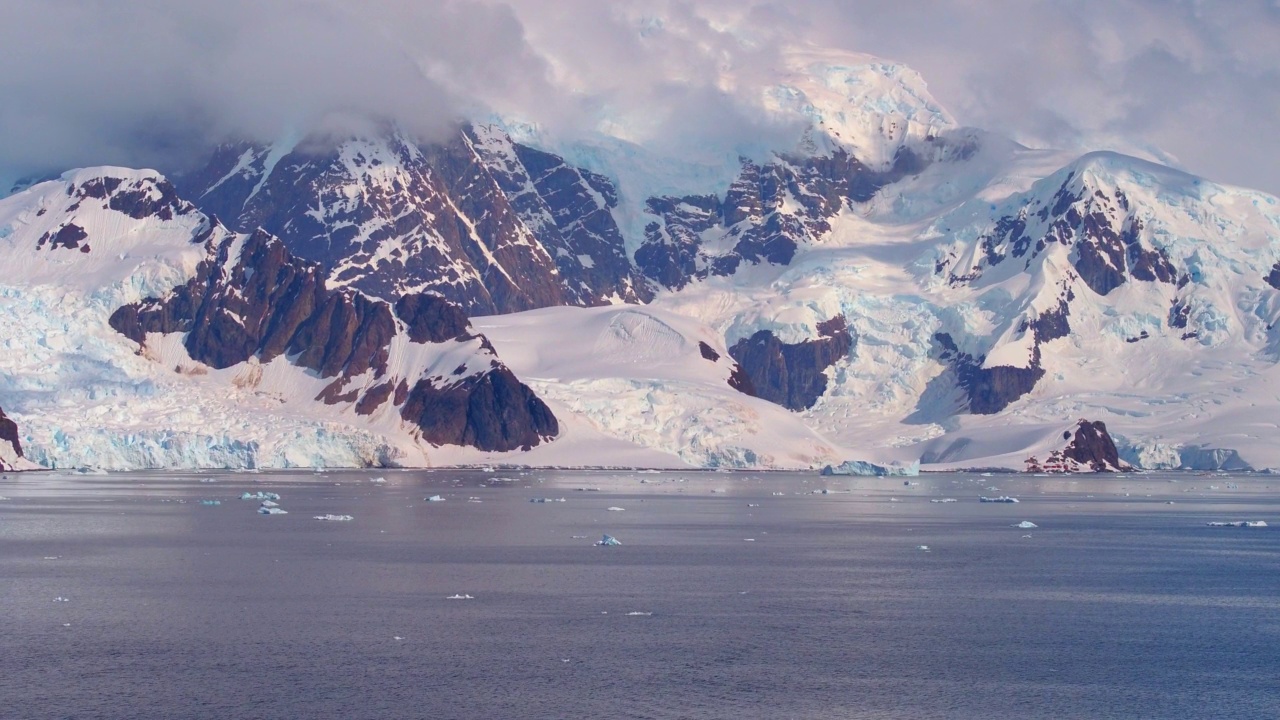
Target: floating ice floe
(1001, 499)
(208, 480)
(269, 504)
(335, 518)
(259, 496)
(1240, 523)
(616, 509)
(608, 541)
(62, 599)
(546, 500)
(925, 548)
(639, 614)
(944, 500)
(434, 498)
(210, 503)
(1026, 525)
(460, 597)
(378, 480)
(271, 511)
(860, 467)
(1026, 537)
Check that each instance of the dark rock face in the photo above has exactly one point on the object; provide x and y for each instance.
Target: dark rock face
(752, 219)
(68, 237)
(569, 211)
(488, 224)
(251, 298)
(993, 389)
(9, 433)
(493, 411)
(1273, 278)
(790, 375)
(1101, 227)
(1093, 446)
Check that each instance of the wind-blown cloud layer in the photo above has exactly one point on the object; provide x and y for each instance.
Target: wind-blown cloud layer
(148, 82)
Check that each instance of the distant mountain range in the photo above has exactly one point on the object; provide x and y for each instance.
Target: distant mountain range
(893, 289)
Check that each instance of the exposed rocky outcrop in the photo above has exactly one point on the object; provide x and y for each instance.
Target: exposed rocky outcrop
(1273, 277)
(484, 222)
(492, 411)
(792, 375)
(10, 443)
(251, 298)
(1092, 446)
(990, 389)
(766, 213)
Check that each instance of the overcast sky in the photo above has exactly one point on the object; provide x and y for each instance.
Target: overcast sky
(140, 82)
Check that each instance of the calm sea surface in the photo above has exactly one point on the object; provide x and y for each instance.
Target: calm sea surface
(733, 595)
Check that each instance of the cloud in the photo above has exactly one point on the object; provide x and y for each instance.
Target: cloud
(145, 82)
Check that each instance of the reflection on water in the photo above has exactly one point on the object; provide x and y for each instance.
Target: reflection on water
(732, 595)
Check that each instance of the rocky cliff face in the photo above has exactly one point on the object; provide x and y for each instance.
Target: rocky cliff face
(792, 375)
(1092, 446)
(10, 443)
(251, 298)
(486, 223)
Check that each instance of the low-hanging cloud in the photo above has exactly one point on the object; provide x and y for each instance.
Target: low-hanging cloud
(150, 82)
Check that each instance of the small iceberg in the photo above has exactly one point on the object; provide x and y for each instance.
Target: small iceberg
(608, 541)
(1000, 499)
(1026, 525)
(546, 500)
(1240, 523)
(861, 467)
(923, 548)
(260, 496)
(434, 498)
(272, 511)
(616, 509)
(210, 503)
(460, 597)
(944, 500)
(639, 614)
(269, 504)
(378, 480)
(335, 518)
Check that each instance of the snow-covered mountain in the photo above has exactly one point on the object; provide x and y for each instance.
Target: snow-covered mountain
(892, 288)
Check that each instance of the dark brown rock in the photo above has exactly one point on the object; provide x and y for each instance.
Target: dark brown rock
(9, 433)
(493, 411)
(993, 389)
(430, 318)
(790, 375)
(1093, 446)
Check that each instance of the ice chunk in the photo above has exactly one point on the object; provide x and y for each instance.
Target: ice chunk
(617, 509)
(259, 496)
(639, 614)
(1026, 525)
(435, 498)
(210, 502)
(546, 500)
(335, 518)
(925, 548)
(62, 599)
(608, 541)
(861, 467)
(1240, 523)
(944, 500)
(460, 597)
(271, 511)
(269, 504)
(378, 480)
(1000, 499)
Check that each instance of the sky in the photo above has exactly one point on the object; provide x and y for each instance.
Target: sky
(152, 82)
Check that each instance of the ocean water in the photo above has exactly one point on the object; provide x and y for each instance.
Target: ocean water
(733, 595)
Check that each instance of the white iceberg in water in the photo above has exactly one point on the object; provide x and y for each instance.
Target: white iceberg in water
(259, 496)
(617, 509)
(460, 597)
(608, 541)
(944, 500)
(271, 511)
(269, 504)
(335, 518)
(862, 467)
(377, 480)
(546, 500)
(1240, 523)
(1001, 499)
(435, 498)
(1026, 525)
